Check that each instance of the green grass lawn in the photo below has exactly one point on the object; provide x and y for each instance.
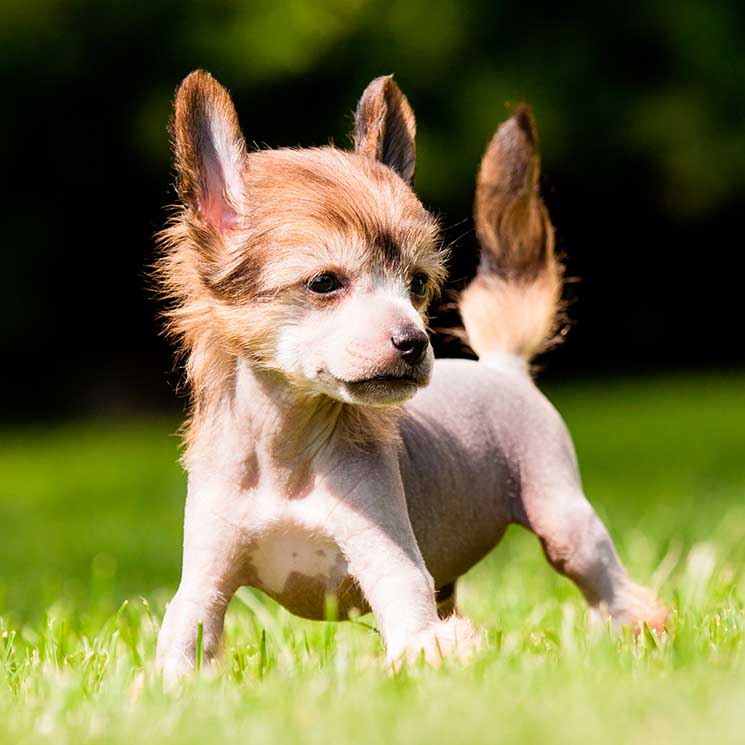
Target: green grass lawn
(90, 517)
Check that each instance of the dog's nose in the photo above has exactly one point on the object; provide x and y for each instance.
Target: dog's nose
(411, 343)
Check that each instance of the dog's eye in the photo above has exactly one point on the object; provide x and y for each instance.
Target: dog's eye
(322, 284)
(418, 285)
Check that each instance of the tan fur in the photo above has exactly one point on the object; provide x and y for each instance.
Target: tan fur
(230, 284)
(513, 305)
(517, 316)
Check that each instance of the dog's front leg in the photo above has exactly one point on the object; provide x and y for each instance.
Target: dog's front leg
(209, 579)
(374, 532)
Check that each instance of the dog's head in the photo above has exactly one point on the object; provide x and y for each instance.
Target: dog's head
(318, 263)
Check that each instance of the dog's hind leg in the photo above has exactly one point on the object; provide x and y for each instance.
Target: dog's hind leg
(577, 545)
(511, 312)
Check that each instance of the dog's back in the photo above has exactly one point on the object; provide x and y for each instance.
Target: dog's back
(472, 441)
(482, 447)
(481, 429)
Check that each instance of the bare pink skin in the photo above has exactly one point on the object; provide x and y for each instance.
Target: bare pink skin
(303, 481)
(382, 528)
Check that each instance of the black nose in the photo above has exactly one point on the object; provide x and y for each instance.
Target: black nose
(411, 343)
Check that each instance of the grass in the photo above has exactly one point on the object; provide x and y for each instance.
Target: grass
(89, 550)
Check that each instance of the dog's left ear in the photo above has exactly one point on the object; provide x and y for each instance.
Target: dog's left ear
(385, 128)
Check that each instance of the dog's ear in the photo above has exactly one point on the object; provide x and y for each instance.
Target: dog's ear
(512, 223)
(209, 151)
(385, 128)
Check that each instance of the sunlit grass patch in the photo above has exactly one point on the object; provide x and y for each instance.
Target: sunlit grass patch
(89, 542)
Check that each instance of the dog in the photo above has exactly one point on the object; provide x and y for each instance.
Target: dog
(328, 454)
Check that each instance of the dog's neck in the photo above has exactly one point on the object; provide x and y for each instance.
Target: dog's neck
(267, 431)
(288, 427)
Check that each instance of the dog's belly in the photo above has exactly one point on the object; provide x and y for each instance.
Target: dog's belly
(305, 572)
(469, 441)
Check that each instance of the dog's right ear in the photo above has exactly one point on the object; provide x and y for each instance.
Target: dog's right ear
(209, 150)
(385, 128)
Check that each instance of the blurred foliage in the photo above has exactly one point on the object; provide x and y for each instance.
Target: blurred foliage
(661, 81)
(639, 106)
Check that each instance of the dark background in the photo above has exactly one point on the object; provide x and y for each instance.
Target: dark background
(640, 110)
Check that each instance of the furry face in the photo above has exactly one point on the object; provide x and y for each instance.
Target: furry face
(316, 263)
(339, 260)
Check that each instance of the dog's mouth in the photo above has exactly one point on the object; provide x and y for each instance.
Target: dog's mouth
(384, 390)
(387, 379)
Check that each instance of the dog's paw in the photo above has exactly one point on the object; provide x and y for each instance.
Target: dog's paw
(643, 607)
(173, 669)
(635, 608)
(453, 637)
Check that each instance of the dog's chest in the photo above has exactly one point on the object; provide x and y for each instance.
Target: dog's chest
(302, 570)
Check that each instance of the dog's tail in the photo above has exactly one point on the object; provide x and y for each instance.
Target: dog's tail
(511, 310)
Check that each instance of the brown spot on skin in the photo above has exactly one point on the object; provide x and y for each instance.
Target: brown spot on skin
(320, 552)
(350, 598)
(250, 472)
(307, 595)
(301, 482)
(245, 570)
